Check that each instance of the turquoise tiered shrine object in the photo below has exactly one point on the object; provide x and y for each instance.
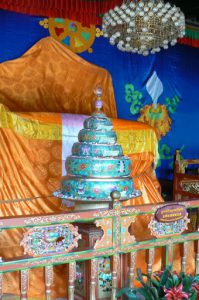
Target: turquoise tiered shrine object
(97, 165)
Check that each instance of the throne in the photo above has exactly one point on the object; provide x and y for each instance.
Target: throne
(186, 179)
(186, 183)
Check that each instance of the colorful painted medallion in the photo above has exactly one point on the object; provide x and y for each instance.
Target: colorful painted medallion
(169, 220)
(72, 34)
(41, 241)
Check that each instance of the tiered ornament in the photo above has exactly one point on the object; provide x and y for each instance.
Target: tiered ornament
(97, 165)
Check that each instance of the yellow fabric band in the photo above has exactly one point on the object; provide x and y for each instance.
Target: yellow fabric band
(29, 128)
(132, 140)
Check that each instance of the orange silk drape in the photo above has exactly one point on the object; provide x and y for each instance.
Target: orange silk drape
(51, 78)
(140, 143)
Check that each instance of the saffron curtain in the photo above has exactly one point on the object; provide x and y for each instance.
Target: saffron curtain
(51, 78)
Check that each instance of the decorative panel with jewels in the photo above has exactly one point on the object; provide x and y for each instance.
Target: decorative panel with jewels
(169, 220)
(72, 34)
(57, 239)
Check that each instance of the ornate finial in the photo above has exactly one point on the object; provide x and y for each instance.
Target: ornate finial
(98, 102)
(115, 195)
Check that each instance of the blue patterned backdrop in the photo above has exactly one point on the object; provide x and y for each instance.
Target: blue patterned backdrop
(177, 68)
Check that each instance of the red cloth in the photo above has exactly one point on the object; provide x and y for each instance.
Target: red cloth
(189, 41)
(85, 11)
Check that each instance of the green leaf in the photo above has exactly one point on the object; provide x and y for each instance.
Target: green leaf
(194, 296)
(155, 283)
(122, 292)
(175, 280)
(155, 293)
(131, 293)
(187, 283)
(140, 278)
(165, 276)
(164, 279)
(196, 279)
(147, 292)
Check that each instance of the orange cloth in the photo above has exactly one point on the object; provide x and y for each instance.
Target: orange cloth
(51, 78)
(139, 142)
(30, 166)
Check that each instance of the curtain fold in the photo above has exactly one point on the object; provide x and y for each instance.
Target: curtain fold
(51, 78)
(85, 11)
(144, 180)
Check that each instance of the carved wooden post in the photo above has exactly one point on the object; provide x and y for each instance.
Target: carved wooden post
(114, 276)
(116, 196)
(184, 257)
(1, 286)
(197, 258)
(72, 277)
(151, 253)
(48, 281)
(169, 254)
(133, 256)
(93, 278)
(24, 283)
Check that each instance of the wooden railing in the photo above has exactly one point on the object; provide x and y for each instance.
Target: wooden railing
(49, 237)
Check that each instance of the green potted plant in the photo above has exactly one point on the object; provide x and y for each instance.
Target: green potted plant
(164, 285)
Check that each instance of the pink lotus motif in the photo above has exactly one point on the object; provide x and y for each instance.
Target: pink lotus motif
(175, 293)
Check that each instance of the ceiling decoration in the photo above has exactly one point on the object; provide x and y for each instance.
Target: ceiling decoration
(144, 27)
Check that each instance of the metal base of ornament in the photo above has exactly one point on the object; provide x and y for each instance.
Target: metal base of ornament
(79, 206)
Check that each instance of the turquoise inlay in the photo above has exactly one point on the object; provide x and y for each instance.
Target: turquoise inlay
(59, 20)
(66, 41)
(85, 35)
(109, 232)
(123, 229)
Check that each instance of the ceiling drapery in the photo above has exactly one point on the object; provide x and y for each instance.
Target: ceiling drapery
(85, 11)
(191, 35)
